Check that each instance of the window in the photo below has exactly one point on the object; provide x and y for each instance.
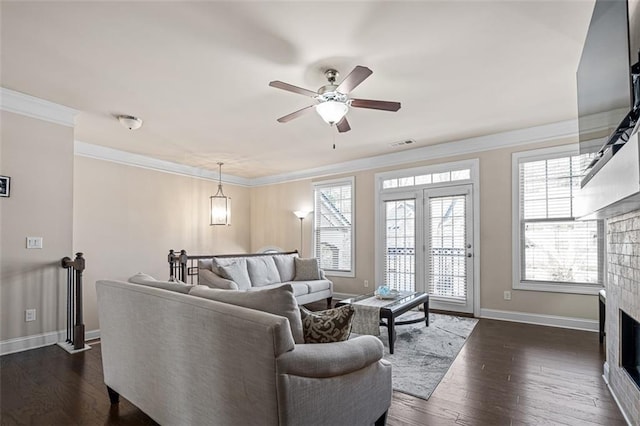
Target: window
(426, 179)
(552, 250)
(333, 226)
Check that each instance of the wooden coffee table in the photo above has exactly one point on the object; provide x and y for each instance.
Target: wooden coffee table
(396, 307)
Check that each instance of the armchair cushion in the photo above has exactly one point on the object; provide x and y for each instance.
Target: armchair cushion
(332, 325)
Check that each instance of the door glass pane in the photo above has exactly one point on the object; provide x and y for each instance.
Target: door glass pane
(400, 245)
(447, 240)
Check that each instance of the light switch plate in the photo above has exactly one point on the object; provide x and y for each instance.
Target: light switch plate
(34, 242)
(30, 315)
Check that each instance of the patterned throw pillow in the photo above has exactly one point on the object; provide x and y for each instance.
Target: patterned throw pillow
(306, 269)
(332, 325)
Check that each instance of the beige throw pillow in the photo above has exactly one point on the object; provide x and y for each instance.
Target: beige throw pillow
(332, 325)
(277, 301)
(306, 269)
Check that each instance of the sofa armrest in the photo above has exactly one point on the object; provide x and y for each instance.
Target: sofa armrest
(321, 360)
(323, 276)
(211, 279)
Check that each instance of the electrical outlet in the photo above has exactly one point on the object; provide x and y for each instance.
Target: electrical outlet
(507, 295)
(366, 283)
(29, 315)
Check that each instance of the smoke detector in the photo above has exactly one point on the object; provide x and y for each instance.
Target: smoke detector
(130, 122)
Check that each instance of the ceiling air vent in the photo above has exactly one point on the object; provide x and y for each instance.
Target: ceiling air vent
(402, 143)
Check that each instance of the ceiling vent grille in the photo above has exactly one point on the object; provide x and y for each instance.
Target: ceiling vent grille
(402, 143)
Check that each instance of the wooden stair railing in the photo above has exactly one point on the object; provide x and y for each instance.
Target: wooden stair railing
(75, 325)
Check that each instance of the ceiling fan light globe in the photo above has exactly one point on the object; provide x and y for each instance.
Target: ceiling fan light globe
(332, 111)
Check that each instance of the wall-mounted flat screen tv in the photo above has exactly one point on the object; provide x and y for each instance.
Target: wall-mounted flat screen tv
(604, 79)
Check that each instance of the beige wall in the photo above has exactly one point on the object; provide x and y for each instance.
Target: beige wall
(38, 156)
(126, 219)
(272, 221)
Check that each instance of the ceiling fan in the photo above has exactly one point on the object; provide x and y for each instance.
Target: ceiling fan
(333, 100)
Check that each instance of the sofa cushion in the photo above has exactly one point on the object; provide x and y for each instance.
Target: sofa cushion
(278, 301)
(286, 266)
(236, 272)
(262, 271)
(148, 280)
(299, 287)
(332, 325)
(306, 269)
(206, 264)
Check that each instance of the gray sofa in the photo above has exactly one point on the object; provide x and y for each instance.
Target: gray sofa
(252, 272)
(189, 360)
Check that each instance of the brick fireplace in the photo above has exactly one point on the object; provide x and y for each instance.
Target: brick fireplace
(623, 301)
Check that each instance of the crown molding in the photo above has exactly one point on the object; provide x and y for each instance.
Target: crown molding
(537, 134)
(443, 150)
(513, 138)
(99, 152)
(30, 106)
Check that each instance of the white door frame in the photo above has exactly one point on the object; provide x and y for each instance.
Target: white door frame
(474, 166)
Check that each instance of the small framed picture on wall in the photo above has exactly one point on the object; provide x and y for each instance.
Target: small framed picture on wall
(5, 186)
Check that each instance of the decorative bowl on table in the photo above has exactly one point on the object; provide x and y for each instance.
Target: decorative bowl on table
(385, 293)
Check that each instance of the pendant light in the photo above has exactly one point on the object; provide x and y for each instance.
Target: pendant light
(220, 204)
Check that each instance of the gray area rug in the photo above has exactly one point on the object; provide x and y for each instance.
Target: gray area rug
(422, 355)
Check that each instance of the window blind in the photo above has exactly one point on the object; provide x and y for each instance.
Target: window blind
(554, 247)
(400, 245)
(333, 229)
(447, 241)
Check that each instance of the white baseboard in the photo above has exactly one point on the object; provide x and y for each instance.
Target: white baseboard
(541, 319)
(26, 343)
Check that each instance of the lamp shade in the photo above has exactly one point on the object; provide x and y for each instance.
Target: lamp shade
(332, 111)
(220, 204)
(220, 210)
(301, 214)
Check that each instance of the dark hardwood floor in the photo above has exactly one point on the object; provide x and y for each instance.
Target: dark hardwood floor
(506, 374)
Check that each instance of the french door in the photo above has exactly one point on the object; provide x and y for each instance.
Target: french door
(428, 245)
(448, 254)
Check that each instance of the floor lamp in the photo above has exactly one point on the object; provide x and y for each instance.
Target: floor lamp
(301, 214)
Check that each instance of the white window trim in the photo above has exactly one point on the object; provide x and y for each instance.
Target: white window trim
(388, 193)
(517, 284)
(334, 182)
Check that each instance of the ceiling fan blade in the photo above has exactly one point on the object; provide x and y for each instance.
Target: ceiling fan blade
(343, 125)
(292, 88)
(296, 114)
(371, 104)
(355, 77)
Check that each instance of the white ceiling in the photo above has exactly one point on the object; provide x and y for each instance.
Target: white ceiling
(197, 73)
